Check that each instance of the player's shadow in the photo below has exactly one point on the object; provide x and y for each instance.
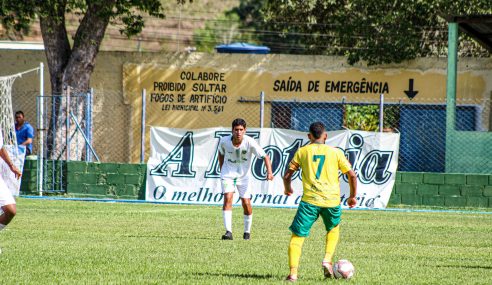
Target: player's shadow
(172, 237)
(466, 266)
(238, 275)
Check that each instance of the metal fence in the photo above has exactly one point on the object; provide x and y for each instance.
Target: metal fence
(75, 126)
(64, 132)
(422, 126)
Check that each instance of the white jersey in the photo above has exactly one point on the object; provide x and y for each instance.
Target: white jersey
(6, 197)
(237, 160)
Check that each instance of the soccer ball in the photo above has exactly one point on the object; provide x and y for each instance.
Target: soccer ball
(343, 269)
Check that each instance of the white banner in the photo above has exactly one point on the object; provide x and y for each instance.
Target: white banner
(183, 167)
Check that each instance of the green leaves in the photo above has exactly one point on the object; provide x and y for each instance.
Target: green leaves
(225, 29)
(366, 117)
(16, 16)
(133, 25)
(361, 117)
(364, 30)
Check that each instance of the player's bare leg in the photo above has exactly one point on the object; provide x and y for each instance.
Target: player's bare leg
(227, 215)
(9, 212)
(7, 216)
(247, 209)
(248, 217)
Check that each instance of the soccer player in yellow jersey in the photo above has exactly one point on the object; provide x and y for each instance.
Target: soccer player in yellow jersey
(320, 164)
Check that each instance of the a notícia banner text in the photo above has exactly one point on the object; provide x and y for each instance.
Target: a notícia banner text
(183, 166)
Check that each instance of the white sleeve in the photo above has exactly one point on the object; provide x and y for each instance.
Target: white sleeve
(257, 149)
(221, 146)
(1, 139)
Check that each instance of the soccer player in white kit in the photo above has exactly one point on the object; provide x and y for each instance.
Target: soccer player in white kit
(235, 154)
(7, 201)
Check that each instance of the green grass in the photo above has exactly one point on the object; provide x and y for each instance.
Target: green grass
(66, 242)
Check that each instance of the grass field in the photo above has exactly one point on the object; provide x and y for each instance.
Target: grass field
(68, 242)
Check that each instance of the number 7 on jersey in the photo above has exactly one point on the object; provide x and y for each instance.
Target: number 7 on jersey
(320, 164)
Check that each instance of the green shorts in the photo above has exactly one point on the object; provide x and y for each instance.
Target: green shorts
(307, 214)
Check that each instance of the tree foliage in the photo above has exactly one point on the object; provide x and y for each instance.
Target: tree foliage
(362, 30)
(71, 63)
(363, 117)
(224, 29)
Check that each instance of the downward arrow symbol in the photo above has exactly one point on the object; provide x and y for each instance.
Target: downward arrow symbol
(410, 92)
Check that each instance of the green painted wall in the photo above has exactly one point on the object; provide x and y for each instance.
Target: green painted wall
(28, 179)
(445, 190)
(106, 180)
(98, 180)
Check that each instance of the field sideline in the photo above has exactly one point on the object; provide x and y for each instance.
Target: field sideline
(70, 242)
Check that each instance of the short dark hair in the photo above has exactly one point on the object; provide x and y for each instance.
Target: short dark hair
(239, 122)
(317, 129)
(19, 113)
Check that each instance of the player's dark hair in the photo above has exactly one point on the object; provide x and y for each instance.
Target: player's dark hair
(239, 122)
(19, 113)
(317, 129)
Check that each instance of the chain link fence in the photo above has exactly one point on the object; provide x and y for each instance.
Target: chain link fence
(111, 126)
(422, 126)
(76, 125)
(63, 133)
(103, 111)
(25, 101)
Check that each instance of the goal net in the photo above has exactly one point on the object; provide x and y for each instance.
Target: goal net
(7, 127)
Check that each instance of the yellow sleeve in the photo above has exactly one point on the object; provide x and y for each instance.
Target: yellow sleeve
(343, 163)
(295, 162)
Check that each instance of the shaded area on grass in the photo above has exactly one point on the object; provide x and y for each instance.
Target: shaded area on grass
(238, 275)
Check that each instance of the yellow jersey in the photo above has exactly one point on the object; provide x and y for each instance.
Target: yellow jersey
(320, 164)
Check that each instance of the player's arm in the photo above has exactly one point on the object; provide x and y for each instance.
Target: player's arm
(30, 136)
(268, 164)
(346, 168)
(221, 160)
(352, 180)
(287, 178)
(221, 155)
(27, 141)
(260, 153)
(5, 156)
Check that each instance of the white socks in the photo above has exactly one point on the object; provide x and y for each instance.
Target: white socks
(248, 220)
(2, 226)
(227, 215)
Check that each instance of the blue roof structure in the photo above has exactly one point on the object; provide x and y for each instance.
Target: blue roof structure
(242, 48)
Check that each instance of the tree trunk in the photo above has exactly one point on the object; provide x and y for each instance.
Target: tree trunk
(71, 67)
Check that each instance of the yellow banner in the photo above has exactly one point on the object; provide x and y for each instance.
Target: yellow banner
(199, 97)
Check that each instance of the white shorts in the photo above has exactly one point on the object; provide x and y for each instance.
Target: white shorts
(6, 197)
(230, 186)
